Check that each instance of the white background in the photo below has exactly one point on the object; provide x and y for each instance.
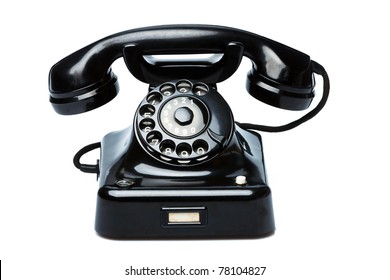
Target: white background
(329, 177)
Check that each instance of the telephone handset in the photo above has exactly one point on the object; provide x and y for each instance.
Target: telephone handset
(184, 168)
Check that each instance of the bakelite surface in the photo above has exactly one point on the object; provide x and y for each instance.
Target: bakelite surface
(83, 81)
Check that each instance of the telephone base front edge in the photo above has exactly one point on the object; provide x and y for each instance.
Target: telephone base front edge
(193, 213)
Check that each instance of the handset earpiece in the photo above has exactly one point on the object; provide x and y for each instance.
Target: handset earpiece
(284, 79)
(297, 97)
(316, 68)
(85, 99)
(77, 85)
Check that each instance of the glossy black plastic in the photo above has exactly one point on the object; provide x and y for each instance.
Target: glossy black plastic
(206, 70)
(184, 170)
(84, 81)
(140, 185)
(136, 209)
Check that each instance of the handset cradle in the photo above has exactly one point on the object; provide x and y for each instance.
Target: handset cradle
(205, 71)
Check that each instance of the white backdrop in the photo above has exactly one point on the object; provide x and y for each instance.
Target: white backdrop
(329, 177)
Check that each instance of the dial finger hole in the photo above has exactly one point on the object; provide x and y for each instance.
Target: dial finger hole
(154, 138)
(147, 125)
(147, 110)
(154, 98)
(167, 147)
(167, 89)
(201, 89)
(200, 147)
(184, 150)
(183, 86)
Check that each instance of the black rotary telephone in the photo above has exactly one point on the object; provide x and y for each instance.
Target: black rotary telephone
(184, 168)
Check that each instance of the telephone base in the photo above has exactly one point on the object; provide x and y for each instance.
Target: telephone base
(141, 197)
(225, 197)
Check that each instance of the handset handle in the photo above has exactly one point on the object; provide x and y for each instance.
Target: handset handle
(207, 70)
(84, 81)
